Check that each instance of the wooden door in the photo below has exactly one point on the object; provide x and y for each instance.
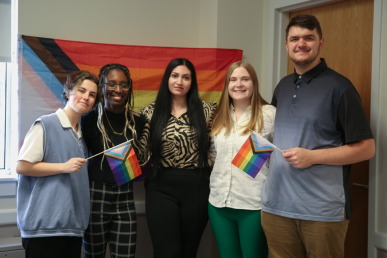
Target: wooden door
(347, 29)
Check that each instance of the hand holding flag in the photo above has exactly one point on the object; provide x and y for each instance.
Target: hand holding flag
(253, 154)
(123, 162)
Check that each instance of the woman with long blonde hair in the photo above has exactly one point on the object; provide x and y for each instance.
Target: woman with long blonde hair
(235, 199)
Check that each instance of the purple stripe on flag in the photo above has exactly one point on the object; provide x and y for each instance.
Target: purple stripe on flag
(261, 161)
(121, 171)
(260, 164)
(254, 169)
(116, 174)
(252, 164)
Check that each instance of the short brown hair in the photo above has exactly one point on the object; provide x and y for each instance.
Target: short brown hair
(75, 78)
(305, 21)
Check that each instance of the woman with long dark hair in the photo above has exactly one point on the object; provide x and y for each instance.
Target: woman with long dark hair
(113, 214)
(176, 134)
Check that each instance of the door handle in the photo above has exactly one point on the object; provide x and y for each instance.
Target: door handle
(359, 185)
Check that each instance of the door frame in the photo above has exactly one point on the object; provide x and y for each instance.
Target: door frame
(278, 60)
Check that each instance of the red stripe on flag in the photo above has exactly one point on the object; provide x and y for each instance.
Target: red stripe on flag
(85, 53)
(134, 163)
(241, 155)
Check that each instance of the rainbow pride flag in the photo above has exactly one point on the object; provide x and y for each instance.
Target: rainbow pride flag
(46, 62)
(123, 162)
(43, 65)
(253, 154)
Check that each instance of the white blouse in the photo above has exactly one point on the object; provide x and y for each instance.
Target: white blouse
(231, 187)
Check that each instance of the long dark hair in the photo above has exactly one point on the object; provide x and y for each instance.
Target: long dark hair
(162, 113)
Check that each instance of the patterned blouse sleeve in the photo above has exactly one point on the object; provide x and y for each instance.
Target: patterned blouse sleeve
(209, 111)
(144, 148)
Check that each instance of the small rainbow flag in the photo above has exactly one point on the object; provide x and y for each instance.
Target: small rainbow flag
(123, 162)
(253, 154)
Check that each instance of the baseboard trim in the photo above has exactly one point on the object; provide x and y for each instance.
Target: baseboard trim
(8, 216)
(381, 240)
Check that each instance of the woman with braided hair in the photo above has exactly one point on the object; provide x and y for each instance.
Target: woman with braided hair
(113, 214)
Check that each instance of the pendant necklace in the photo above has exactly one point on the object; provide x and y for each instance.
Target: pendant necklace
(112, 126)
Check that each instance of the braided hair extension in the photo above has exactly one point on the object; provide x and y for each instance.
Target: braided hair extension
(129, 123)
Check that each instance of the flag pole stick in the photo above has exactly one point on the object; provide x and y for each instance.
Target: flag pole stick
(269, 142)
(109, 149)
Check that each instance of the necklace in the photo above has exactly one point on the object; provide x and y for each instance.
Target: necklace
(112, 126)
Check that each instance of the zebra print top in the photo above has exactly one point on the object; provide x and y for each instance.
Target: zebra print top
(179, 146)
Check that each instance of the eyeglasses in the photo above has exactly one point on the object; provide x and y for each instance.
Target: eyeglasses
(112, 86)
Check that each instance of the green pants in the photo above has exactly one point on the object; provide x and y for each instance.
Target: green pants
(238, 233)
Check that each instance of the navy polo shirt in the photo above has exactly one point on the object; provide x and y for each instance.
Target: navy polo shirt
(317, 110)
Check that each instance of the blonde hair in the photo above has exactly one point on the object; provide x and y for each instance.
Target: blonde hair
(222, 116)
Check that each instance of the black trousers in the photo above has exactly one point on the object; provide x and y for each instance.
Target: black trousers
(49, 247)
(113, 220)
(176, 211)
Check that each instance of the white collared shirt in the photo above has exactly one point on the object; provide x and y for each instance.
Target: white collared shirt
(32, 149)
(231, 187)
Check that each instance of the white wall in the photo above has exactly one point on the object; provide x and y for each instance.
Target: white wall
(240, 25)
(265, 36)
(132, 22)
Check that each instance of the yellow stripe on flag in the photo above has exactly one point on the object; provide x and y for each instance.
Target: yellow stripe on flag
(246, 160)
(210, 96)
(130, 170)
(143, 98)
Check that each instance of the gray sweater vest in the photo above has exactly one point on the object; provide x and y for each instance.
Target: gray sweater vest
(57, 205)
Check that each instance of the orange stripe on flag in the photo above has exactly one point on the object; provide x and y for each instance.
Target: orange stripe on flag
(87, 53)
(150, 79)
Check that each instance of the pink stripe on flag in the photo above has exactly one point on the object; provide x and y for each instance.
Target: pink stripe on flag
(40, 86)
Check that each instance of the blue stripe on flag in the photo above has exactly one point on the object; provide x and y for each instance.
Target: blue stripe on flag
(118, 154)
(261, 147)
(44, 73)
(120, 171)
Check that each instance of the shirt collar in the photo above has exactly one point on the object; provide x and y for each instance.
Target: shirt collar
(183, 114)
(247, 111)
(65, 122)
(312, 73)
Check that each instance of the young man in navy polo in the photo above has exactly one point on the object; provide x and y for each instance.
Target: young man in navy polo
(322, 128)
